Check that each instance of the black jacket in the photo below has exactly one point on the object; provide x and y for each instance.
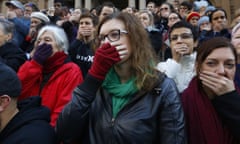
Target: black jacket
(228, 108)
(12, 55)
(82, 54)
(149, 118)
(206, 35)
(30, 125)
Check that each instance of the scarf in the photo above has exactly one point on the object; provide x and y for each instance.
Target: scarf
(203, 124)
(121, 92)
(54, 62)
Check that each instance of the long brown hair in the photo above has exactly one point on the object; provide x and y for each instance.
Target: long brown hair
(142, 58)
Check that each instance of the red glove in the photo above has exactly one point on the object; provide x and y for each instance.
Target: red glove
(104, 58)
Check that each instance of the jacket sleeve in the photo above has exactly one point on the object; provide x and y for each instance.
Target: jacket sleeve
(74, 117)
(172, 125)
(29, 73)
(228, 107)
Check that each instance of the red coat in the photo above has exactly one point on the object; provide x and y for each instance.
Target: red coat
(57, 92)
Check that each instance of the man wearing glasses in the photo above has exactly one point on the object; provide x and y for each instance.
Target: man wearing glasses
(181, 66)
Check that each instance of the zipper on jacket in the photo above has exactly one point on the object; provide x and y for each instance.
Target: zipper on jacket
(112, 122)
(112, 127)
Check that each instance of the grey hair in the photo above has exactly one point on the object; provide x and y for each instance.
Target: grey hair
(59, 36)
(6, 26)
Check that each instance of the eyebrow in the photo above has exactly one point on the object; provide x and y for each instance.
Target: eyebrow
(214, 59)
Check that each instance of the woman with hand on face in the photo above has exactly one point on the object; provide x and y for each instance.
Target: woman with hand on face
(211, 101)
(123, 99)
(50, 73)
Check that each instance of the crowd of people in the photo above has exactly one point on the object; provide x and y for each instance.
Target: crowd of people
(167, 74)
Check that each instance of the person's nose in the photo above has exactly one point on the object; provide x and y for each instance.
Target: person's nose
(179, 39)
(220, 69)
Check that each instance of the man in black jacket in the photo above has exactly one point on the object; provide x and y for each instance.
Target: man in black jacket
(26, 122)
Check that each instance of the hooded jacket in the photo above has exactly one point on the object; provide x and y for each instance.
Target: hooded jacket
(30, 125)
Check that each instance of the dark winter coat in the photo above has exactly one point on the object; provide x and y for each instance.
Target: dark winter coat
(30, 125)
(149, 118)
(82, 54)
(12, 55)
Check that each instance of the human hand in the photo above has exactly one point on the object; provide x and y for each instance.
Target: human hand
(217, 83)
(105, 57)
(121, 48)
(42, 53)
(84, 32)
(180, 50)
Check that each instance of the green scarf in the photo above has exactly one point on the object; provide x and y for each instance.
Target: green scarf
(121, 92)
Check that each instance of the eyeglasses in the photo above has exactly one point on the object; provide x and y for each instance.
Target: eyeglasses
(166, 8)
(220, 17)
(183, 36)
(112, 36)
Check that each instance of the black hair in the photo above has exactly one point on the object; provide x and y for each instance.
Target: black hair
(184, 24)
(217, 9)
(187, 4)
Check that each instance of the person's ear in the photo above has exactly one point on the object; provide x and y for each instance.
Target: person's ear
(9, 36)
(4, 102)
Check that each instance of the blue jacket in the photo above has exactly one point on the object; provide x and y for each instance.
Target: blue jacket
(22, 26)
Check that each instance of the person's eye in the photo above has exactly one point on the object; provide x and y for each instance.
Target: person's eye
(113, 35)
(186, 36)
(47, 40)
(211, 63)
(229, 65)
(174, 37)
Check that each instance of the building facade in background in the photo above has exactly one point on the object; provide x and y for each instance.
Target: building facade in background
(229, 5)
